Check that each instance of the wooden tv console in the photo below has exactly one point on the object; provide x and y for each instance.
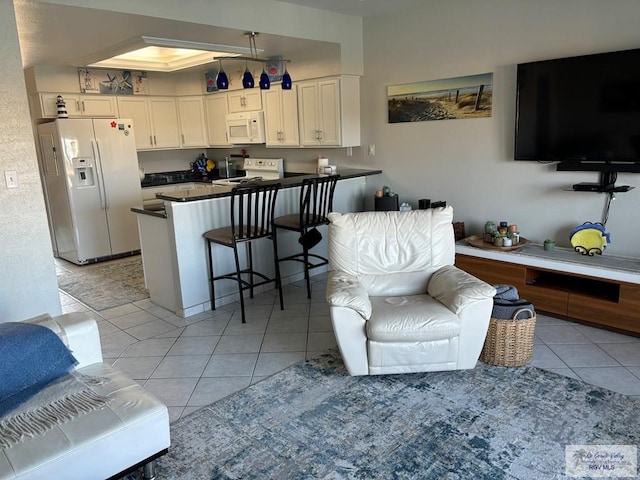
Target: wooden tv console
(601, 290)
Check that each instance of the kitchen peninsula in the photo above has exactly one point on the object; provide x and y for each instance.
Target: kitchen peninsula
(173, 250)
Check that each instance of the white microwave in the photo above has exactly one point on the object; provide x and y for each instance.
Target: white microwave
(245, 127)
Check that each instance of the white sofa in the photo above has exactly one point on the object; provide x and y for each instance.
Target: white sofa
(398, 304)
(129, 431)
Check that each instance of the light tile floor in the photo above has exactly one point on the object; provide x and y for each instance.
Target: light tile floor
(189, 363)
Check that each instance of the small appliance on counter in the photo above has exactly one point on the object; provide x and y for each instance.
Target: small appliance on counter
(324, 168)
(257, 169)
(227, 168)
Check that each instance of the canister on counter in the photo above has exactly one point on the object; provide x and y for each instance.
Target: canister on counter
(490, 227)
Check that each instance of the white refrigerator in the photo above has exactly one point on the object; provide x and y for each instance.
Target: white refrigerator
(91, 180)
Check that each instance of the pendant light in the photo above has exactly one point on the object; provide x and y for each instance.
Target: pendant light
(222, 81)
(247, 77)
(286, 79)
(265, 83)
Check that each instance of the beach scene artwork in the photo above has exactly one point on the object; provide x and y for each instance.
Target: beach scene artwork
(116, 82)
(444, 99)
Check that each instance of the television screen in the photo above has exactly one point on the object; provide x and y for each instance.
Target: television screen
(582, 109)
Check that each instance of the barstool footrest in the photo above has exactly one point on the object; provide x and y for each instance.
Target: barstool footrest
(299, 257)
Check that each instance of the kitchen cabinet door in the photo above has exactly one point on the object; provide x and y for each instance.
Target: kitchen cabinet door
(164, 119)
(98, 106)
(78, 105)
(216, 109)
(319, 113)
(49, 105)
(281, 117)
(137, 109)
(193, 131)
(308, 113)
(244, 100)
(155, 120)
(329, 112)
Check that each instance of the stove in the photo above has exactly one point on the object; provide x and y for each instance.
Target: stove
(257, 169)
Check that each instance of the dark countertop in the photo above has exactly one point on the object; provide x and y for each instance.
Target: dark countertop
(154, 210)
(290, 180)
(180, 176)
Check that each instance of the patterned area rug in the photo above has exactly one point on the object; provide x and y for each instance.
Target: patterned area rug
(313, 421)
(107, 285)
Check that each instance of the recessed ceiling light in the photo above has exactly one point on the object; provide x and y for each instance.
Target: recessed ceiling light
(163, 54)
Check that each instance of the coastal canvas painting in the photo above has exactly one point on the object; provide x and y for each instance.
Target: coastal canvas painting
(120, 82)
(445, 99)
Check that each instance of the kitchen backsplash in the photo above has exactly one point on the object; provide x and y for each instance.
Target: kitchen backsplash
(303, 160)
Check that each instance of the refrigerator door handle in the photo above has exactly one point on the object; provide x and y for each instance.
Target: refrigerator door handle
(101, 189)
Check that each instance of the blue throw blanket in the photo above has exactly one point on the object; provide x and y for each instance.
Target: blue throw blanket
(31, 356)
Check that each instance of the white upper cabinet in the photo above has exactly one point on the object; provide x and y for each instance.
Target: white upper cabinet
(320, 112)
(98, 106)
(193, 131)
(164, 119)
(77, 105)
(244, 100)
(281, 117)
(329, 112)
(155, 120)
(216, 109)
(137, 109)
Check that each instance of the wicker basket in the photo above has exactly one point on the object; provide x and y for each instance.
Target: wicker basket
(509, 343)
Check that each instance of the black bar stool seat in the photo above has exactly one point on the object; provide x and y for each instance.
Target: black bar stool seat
(252, 215)
(316, 202)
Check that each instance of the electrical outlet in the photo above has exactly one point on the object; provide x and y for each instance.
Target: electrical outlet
(11, 178)
(372, 150)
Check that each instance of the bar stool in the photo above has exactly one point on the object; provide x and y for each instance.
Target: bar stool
(316, 202)
(252, 212)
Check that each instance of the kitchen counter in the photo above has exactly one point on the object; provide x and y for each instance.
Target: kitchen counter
(177, 177)
(290, 180)
(155, 210)
(174, 254)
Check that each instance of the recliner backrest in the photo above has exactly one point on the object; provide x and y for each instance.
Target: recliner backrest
(392, 253)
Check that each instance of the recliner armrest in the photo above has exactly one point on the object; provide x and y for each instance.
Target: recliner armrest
(344, 290)
(457, 289)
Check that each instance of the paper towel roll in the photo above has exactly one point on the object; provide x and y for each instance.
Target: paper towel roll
(323, 162)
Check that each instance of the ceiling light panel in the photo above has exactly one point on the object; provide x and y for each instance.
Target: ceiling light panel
(166, 55)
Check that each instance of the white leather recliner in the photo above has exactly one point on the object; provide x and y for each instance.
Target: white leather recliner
(398, 304)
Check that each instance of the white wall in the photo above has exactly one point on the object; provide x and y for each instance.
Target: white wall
(266, 16)
(470, 162)
(28, 284)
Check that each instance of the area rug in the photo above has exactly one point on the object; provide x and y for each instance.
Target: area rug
(102, 286)
(313, 421)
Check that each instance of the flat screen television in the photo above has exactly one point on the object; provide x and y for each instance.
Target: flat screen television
(583, 109)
